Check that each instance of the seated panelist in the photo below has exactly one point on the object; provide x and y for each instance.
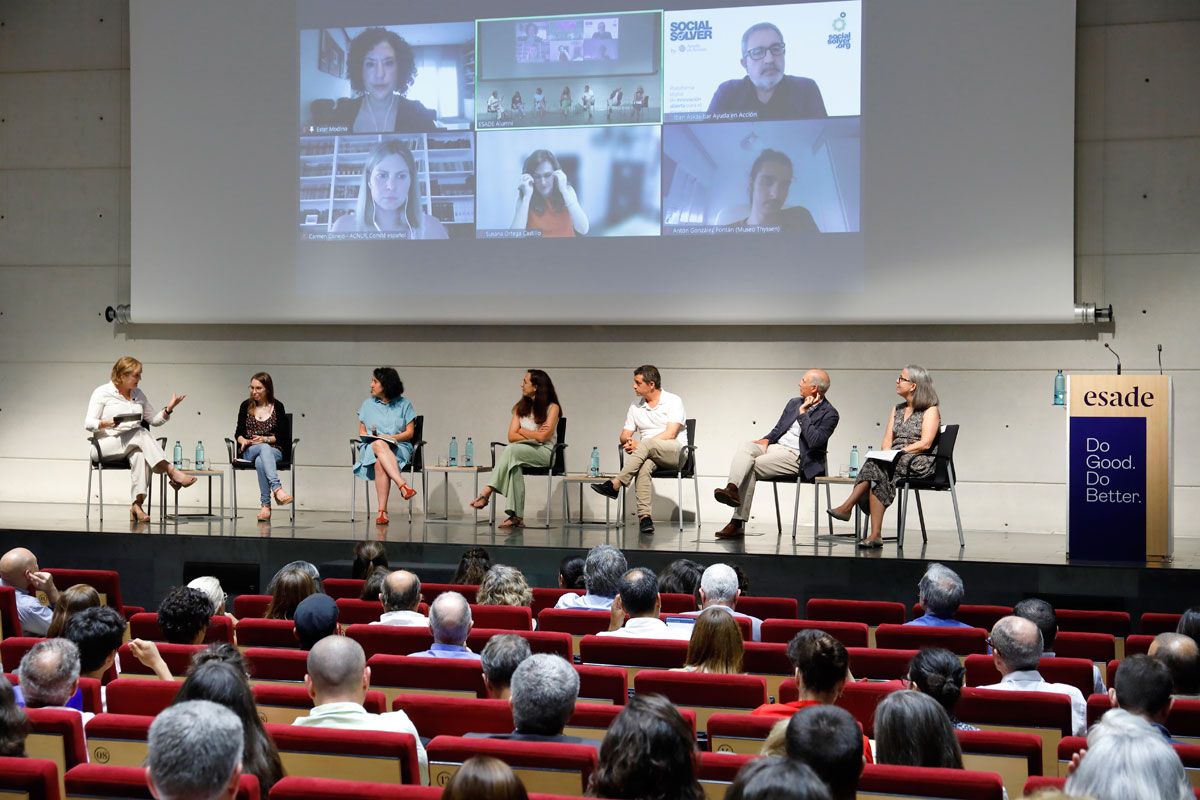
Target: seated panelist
(263, 439)
(387, 418)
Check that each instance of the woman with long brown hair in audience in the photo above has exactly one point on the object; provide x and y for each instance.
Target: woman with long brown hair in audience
(484, 778)
(14, 725)
(291, 586)
(716, 644)
(913, 730)
(367, 556)
(71, 601)
(649, 753)
(473, 565)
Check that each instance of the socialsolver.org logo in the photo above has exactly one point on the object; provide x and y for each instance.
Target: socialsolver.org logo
(840, 38)
(691, 30)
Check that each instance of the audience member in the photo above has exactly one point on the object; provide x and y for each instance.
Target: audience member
(499, 658)
(681, 576)
(307, 567)
(484, 778)
(777, 779)
(602, 571)
(213, 591)
(373, 585)
(940, 674)
(1142, 686)
(570, 572)
(98, 633)
(49, 675)
(830, 741)
(316, 617)
(223, 683)
(719, 589)
(776, 742)
(221, 653)
(19, 569)
(1041, 613)
(337, 680)
(940, 591)
(368, 556)
(913, 730)
(544, 690)
(183, 616)
(1016, 647)
(716, 644)
(639, 599)
(450, 622)
(401, 596)
(473, 565)
(1182, 657)
(1126, 759)
(291, 586)
(71, 601)
(504, 586)
(147, 653)
(1189, 623)
(194, 752)
(649, 753)
(14, 725)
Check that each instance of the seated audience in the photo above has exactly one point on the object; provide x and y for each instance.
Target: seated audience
(1041, 613)
(98, 633)
(719, 589)
(570, 572)
(194, 752)
(499, 658)
(940, 592)
(19, 569)
(602, 571)
(777, 779)
(183, 616)
(681, 576)
(648, 753)
(1142, 686)
(337, 680)
(913, 730)
(316, 617)
(291, 586)
(1126, 759)
(544, 690)
(401, 596)
(220, 652)
(307, 567)
(776, 742)
(71, 601)
(49, 675)
(368, 556)
(716, 644)
(223, 683)
(215, 594)
(638, 598)
(14, 725)
(822, 669)
(504, 586)
(1016, 648)
(830, 741)
(940, 674)
(484, 778)
(373, 585)
(1182, 657)
(450, 622)
(1189, 623)
(473, 565)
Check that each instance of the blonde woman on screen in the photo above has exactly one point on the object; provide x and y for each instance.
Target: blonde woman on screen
(389, 198)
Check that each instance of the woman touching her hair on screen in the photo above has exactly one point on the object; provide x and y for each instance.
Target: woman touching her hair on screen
(262, 439)
(912, 429)
(545, 201)
(389, 197)
(387, 415)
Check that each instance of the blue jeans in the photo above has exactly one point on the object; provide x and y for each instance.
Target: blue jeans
(265, 457)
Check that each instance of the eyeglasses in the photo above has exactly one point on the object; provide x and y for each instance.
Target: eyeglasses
(902, 379)
(759, 53)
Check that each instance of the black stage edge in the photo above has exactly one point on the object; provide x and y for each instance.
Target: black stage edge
(150, 565)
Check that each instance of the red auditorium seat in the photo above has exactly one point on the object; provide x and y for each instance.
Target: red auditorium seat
(337, 588)
(574, 621)
(1101, 647)
(456, 677)
(676, 603)
(1068, 746)
(960, 641)
(283, 703)
(343, 754)
(870, 612)
(106, 582)
(118, 739)
(275, 664)
(738, 733)
(745, 626)
(716, 771)
(258, 632)
(352, 611)
(10, 621)
(251, 606)
(706, 694)
(769, 660)
(145, 626)
(887, 780)
(178, 658)
(541, 766)
(850, 634)
(1138, 644)
(1110, 672)
(429, 591)
(539, 641)
(859, 698)
(1153, 623)
(1112, 622)
(547, 598)
(1183, 720)
(602, 684)
(32, 778)
(1043, 714)
(1077, 672)
(14, 648)
(1037, 783)
(439, 715)
(326, 789)
(976, 616)
(1012, 756)
(506, 618)
(879, 663)
(392, 639)
(769, 607)
(592, 720)
(57, 735)
(129, 783)
(633, 654)
(140, 696)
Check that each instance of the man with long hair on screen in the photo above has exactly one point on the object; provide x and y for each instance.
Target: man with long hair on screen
(770, 181)
(382, 67)
(389, 197)
(546, 202)
(766, 90)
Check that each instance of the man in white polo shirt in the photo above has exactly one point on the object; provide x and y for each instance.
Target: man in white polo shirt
(654, 436)
(639, 599)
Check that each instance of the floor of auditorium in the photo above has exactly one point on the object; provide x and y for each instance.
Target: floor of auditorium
(761, 540)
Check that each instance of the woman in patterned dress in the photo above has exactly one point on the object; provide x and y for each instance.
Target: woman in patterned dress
(912, 428)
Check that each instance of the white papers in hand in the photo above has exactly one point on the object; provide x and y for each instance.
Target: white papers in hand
(884, 455)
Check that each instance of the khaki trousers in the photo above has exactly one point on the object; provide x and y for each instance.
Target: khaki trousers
(752, 461)
(641, 463)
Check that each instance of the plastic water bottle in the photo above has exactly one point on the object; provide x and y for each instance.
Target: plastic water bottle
(469, 453)
(854, 463)
(177, 456)
(453, 451)
(199, 455)
(594, 467)
(1060, 389)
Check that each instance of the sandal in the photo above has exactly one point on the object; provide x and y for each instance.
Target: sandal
(407, 492)
(264, 514)
(512, 522)
(481, 502)
(382, 519)
(282, 498)
(136, 514)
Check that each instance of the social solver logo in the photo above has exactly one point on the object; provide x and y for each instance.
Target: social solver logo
(841, 38)
(839, 24)
(690, 30)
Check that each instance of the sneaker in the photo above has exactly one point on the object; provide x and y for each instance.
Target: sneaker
(606, 488)
(646, 525)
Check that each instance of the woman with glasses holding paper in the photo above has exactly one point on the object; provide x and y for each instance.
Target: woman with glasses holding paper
(911, 431)
(385, 429)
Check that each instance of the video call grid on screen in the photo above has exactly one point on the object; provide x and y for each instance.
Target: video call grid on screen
(385, 158)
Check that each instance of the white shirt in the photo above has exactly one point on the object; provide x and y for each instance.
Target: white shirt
(755, 622)
(585, 602)
(409, 619)
(35, 617)
(107, 402)
(354, 716)
(649, 628)
(649, 422)
(791, 439)
(1030, 680)
(528, 423)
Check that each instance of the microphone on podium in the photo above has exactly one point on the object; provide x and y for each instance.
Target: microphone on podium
(1160, 359)
(1108, 347)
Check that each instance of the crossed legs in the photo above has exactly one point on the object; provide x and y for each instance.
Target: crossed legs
(387, 472)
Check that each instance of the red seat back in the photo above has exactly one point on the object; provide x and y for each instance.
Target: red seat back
(879, 663)
(64, 727)
(602, 684)
(392, 639)
(36, 777)
(1138, 644)
(766, 658)
(352, 611)
(106, 731)
(246, 606)
(1029, 709)
(769, 607)
(416, 674)
(257, 632)
(1154, 623)
(10, 620)
(527, 758)
(139, 696)
(178, 658)
(977, 616)
(429, 591)
(507, 618)
(1092, 646)
(960, 641)
(105, 581)
(276, 663)
(630, 652)
(576, 622)
(435, 715)
(129, 783)
(292, 696)
(702, 689)
(145, 626)
(673, 603)
(1026, 745)
(547, 598)
(745, 626)
(1114, 622)
(721, 767)
(337, 588)
(539, 641)
(959, 784)
(1184, 718)
(738, 733)
(327, 789)
(850, 634)
(1077, 672)
(870, 612)
(372, 752)
(859, 698)
(14, 648)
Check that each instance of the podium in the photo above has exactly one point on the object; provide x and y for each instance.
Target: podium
(1120, 462)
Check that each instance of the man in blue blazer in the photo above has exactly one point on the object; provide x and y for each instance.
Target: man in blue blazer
(796, 445)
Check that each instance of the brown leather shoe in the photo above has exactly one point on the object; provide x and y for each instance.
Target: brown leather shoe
(728, 495)
(734, 530)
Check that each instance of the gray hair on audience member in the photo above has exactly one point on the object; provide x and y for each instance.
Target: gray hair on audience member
(336, 662)
(501, 656)
(194, 747)
(1127, 759)
(450, 618)
(48, 673)
(940, 590)
(602, 570)
(406, 596)
(1018, 641)
(544, 690)
(720, 585)
(212, 589)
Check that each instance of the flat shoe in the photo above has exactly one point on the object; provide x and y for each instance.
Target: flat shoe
(838, 517)
(870, 544)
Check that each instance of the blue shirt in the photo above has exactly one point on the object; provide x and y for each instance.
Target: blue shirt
(585, 602)
(384, 419)
(931, 621)
(75, 701)
(447, 651)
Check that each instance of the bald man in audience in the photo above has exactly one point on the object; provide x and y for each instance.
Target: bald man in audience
(638, 597)
(1016, 649)
(401, 596)
(49, 675)
(1182, 657)
(450, 623)
(19, 569)
(337, 681)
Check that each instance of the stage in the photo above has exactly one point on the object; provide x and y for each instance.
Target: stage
(997, 567)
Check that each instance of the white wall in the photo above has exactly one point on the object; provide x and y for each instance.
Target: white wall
(64, 256)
